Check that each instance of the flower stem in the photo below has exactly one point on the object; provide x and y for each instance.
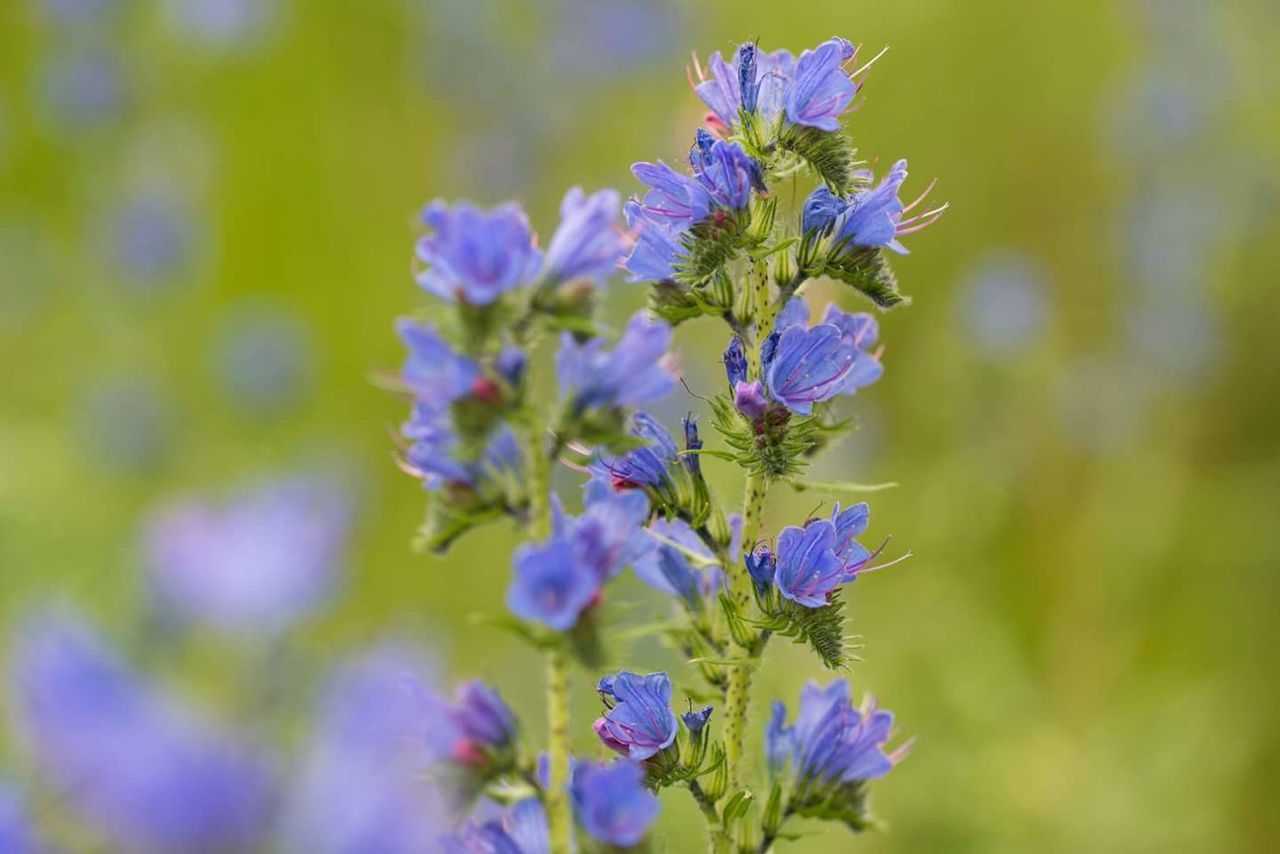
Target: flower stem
(559, 819)
(718, 839)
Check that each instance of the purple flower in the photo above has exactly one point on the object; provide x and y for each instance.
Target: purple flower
(17, 835)
(861, 331)
(695, 720)
(669, 569)
(674, 200)
(639, 722)
(588, 244)
(777, 739)
(557, 580)
(727, 173)
(611, 801)
(521, 829)
(153, 238)
(657, 246)
(361, 786)
(807, 366)
(831, 741)
(763, 76)
(433, 371)
(256, 563)
(471, 728)
(434, 452)
(872, 218)
(476, 255)
(649, 465)
(149, 774)
(850, 523)
(808, 568)
(735, 363)
(822, 89)
(632, 374)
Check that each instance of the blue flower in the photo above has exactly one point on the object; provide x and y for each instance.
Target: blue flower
(674, 200)
(17, 834)
(588, 244)
(735, 363)
(807, 366)
(808, 568)
(521, 829)
(850, 523)
(692, 462)
(657, 246)
(728, 174)
(862, 332)
(822, 89)
(434, 452)
(649, 465)
(611, 801)
(254, 564)
(360, 786)
(831, 741)
(149, 774)
(639, 722)
(470, 729)
(695, 720)
(762, 566)
(872, 218)
(476, 255)
(763, 77)
(632, 374)
(777, 740)
(433, 372)
(669, 569)
(557, 580)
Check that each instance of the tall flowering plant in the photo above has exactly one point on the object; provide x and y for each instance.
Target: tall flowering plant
(721, 238)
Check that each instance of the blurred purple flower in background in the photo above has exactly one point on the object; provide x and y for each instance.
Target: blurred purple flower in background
(520, 829)
(476, 724)
(633, 373)
(596, 41)
(124, 424)
(361, 786)
(831, 741)
(151, 240)
(262, 356)
(76, 13)
(1003, 303)
(611, 801)
(221, 24)
(17, 836)
(145, 771)
(476, 255)
(81, 91)
(254, 563)
(588, 244)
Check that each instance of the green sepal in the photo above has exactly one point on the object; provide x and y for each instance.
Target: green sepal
(831, 156)
(867, 269)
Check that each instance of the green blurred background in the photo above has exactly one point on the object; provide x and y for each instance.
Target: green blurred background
(206, 221)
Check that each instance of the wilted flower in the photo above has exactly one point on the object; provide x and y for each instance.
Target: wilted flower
(474, 255)
(632, 374)
(588, 244)
(255, 563)
(147, 772)
(611, 801)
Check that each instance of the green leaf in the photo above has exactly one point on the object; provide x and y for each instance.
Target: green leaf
(839, 487)
(750, 663)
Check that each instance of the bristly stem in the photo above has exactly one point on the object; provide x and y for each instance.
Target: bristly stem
(738, 691)
(559, 818)
(719, 841)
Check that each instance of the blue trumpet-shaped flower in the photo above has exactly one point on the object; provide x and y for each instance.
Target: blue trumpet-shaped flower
(849, 523)
(639, 722)
(434, 452)
(822, 89)
(756, 81)
(657, 246)
(588, 244)
(726, 171)
(433, 371)
(831, 742)
(474, 255)
(807, 366)
(632, 374)
(872, 218)
(557, 580)
(808, 569)
(611, 801)
(675, 200)
(649, 465)
(862, 332)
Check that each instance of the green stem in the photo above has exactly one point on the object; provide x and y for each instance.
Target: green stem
(718, 839)
(559, 819)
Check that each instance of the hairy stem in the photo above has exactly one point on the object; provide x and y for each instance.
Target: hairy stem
(559, 819)
(717, 838)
